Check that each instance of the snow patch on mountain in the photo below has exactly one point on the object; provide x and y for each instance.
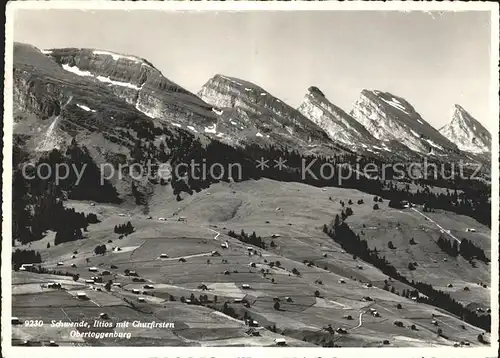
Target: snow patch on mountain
(395, 103)
(85, 108)
(117, 83)
(434, 144)
(117, 56)
(414, 133)
(146, 111)
(77, 71)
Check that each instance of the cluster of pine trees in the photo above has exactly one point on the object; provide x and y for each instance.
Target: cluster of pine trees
(252, 239)
(92, 218)
(100, 249)
(124, 229)
(90, 186)
(20, 257)
(451, 248)
(68, 234)
(467, 249)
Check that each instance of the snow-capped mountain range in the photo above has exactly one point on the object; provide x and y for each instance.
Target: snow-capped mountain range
(103, 86)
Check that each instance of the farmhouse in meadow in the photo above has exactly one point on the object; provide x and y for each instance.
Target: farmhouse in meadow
(81, 295)
(280, 341)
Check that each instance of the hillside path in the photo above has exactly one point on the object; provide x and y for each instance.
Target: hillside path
(216, 232)
(439, 226)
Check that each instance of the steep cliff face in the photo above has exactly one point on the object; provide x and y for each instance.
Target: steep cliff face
(339, 125)
(140, 84)
(466, 132)
(249, 114)
(53, 104)
(388, 117)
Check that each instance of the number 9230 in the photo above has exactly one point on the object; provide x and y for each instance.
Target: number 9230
(33, 323)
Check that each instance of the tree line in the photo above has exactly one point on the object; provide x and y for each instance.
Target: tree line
(20, 257)
(467, 249)
(36, 202)
(341, 233)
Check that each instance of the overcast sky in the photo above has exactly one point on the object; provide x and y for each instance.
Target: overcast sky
(433, 60)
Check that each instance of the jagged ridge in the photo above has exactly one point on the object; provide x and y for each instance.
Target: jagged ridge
(252, 114)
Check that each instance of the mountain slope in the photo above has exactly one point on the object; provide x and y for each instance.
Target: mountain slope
(53, 106)
(388, 117)
(140, 84)
(337, 124)
(249, 114)
(466, 132)
(59, 104)
(343, 128)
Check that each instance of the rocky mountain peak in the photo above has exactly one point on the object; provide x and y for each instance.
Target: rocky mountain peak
(386, 98)
(390, 117)
(251, 114)
(339, 125)
(315, 91)
(466, 132)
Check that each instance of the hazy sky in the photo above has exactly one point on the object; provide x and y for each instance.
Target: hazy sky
(433, 60)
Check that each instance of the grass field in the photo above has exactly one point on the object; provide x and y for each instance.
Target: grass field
(296, 213)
